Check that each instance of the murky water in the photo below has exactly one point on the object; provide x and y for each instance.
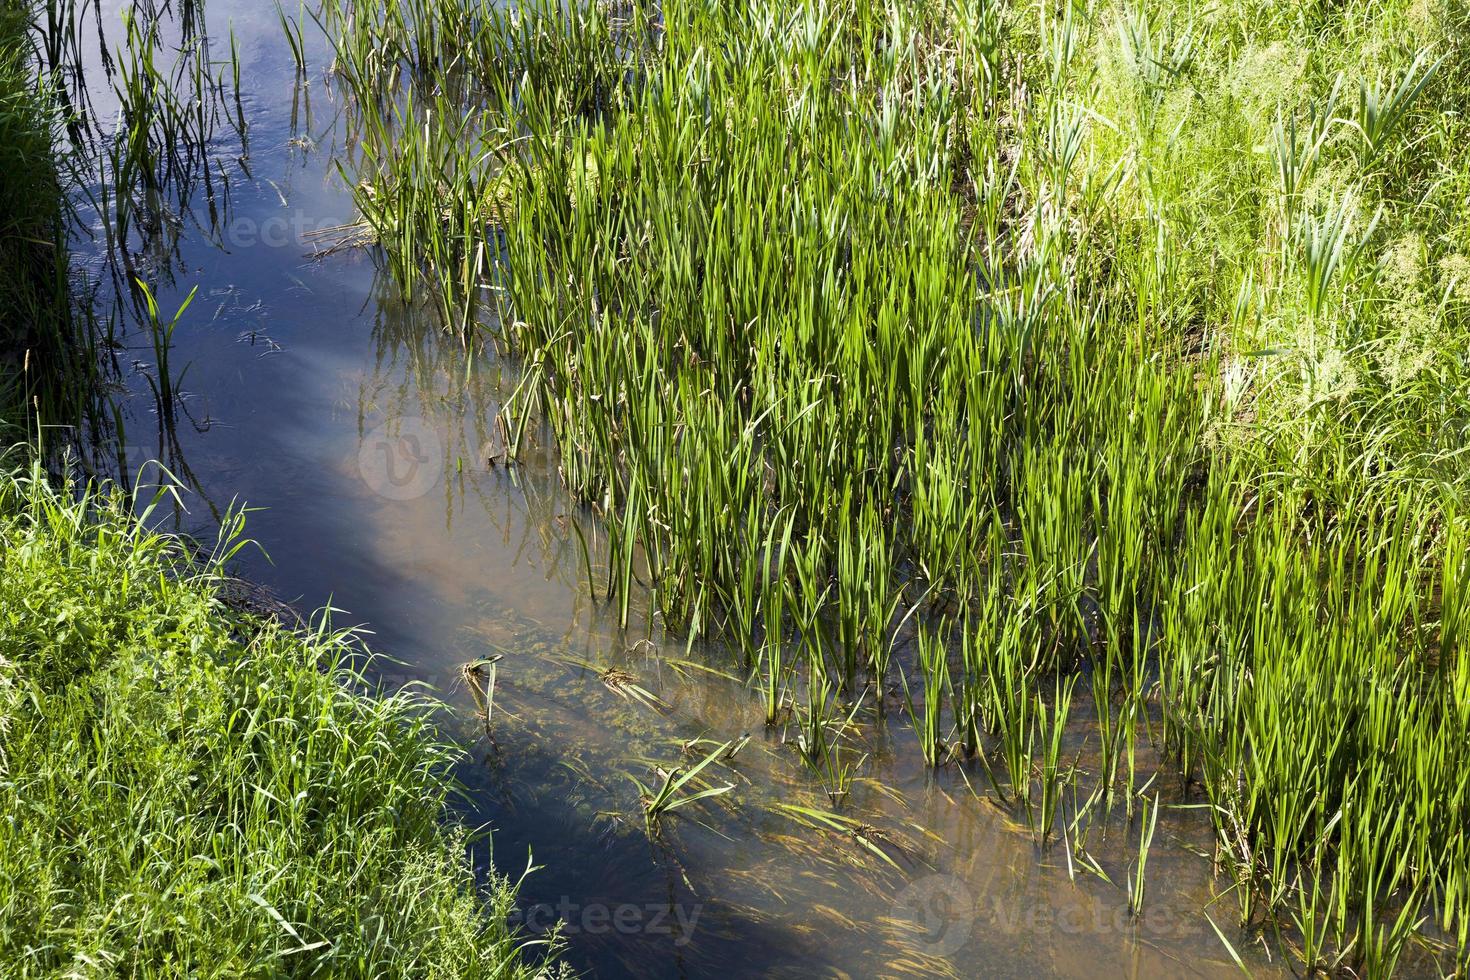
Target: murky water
(361, 435)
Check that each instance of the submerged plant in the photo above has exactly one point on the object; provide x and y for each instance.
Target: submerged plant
(479, 677)
(670, 794)
(868, 838)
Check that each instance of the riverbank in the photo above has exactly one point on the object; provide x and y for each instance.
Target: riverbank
(189, 789)
(47, 364)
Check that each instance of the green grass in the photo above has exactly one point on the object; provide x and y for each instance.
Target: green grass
(670, 794)
(1123, 340)
(191, 792)
(33, 269)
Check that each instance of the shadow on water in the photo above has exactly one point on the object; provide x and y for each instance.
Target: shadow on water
(303, 384)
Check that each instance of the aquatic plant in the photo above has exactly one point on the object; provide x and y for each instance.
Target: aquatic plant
(479, 677)
(669, 794)
(968, 343)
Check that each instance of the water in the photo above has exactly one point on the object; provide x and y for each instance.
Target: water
(361, 435)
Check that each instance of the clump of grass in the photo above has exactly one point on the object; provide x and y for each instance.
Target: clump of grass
(822, 741)
(161, 165)
(479, 676)
(679, 787)
(1137, 882)
(191, 790)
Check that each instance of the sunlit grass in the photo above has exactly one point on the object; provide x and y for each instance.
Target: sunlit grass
(1042, 367)
(189, 791)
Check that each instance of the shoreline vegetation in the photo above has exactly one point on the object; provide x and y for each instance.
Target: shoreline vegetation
(189, 789)
(32, 257)
(1005, 370)
(193, 791)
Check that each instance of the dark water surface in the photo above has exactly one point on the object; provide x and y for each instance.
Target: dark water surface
(360, 432)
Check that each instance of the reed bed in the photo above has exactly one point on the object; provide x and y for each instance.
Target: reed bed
(1016, 369)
